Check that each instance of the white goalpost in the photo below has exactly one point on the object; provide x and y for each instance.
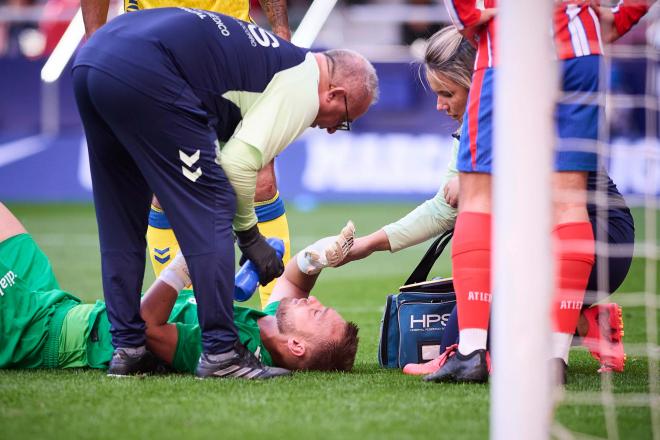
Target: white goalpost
(64, 50)
(526, 88)
(525, 91)
(309, 28)
(312, 22)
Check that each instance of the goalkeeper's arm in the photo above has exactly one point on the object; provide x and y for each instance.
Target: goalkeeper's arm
(156, 307)
(302, 271)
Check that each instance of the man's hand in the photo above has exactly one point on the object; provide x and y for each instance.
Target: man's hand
(607, 28)
(487, 15)
(327, 252)
(470, 32)
(254, 247)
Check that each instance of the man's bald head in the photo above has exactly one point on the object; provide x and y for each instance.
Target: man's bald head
(354, 72)
(348, 86)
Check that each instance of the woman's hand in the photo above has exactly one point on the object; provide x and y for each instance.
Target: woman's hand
(451, 192)
(365, 246)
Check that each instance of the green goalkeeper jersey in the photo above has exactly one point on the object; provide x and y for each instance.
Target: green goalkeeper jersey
(32, 306)
(189, 345)
(42, 326)
(85, 338)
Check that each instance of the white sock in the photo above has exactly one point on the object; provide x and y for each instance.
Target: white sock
(472, 339)
(176, 274)
(561, 345)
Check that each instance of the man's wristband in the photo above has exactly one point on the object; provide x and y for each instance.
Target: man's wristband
(248, 237)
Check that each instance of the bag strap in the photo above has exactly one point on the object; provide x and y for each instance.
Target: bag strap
(423, 269)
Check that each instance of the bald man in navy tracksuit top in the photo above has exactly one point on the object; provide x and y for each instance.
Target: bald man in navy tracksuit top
(166, 96)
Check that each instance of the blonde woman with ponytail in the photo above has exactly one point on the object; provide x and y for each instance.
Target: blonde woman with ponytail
(448, 62)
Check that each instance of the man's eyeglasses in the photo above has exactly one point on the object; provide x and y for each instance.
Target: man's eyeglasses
(346, 125)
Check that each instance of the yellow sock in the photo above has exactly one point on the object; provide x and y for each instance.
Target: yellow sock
(163, 245)
(160, 240)
(273, 223)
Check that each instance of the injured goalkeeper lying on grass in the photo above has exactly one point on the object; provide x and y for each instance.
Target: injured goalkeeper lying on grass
(42, 326)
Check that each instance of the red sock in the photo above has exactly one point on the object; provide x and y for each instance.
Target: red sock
(574, 259)
(471, 269)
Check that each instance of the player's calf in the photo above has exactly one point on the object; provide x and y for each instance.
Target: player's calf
(161, 241)
(273, 223)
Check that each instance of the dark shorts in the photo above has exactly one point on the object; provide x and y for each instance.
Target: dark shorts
(576, 115)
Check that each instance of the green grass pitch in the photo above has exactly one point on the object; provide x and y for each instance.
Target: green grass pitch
(369, 403)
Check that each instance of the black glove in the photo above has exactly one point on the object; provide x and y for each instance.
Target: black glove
(254, 247)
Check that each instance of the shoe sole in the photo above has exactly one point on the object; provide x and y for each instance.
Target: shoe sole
(455, 380)
(129, 376)
(615, 322)
(421, 369)
(241, 377)
(614, 336)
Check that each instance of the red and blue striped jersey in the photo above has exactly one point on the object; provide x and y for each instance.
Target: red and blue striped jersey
(576, 30)
(576, 26)
(465, 14)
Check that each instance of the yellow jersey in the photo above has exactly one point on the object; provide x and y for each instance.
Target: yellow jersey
(236, 8)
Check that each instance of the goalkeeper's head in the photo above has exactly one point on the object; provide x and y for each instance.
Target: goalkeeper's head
(316, 337)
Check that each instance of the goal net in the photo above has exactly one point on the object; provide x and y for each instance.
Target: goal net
(608, 405)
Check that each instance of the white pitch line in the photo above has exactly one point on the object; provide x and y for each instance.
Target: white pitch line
(55, 239)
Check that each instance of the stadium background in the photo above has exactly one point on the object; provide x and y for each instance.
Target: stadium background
(399, 145)
(392, 159)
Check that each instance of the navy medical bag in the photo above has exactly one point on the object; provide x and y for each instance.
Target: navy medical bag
(415, 318)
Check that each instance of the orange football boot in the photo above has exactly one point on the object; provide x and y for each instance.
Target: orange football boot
(604, 337)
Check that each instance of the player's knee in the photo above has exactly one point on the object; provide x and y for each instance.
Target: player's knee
(566, 211)
(266, 188)
(265, 192)
(475, 193)
(570, 197)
